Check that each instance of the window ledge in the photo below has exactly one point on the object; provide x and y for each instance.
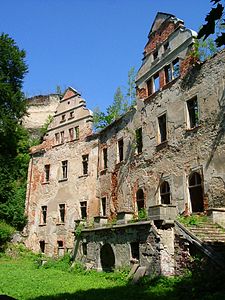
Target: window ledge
(42, 225)
(84, 175)
(63, 179)
(70, 118)
(58, 224)
(193, 129)
(56, 145)
(162, 145)
(73, 140)
(45, 182)
(62, 121)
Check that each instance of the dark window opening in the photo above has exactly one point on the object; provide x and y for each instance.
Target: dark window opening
(103, 206)
(47, 173)
(162, 128)
(120, 148)
(155, 55)
(71, 114)
(63, 118)
(150, 86)
(85, 164)
(77, 132)
(107, 258)
(134, 246)
(64, 169)
(193, 114)
(42, 246)
(168, 73)
(105, 158)
(84, 248)
(196, 192)
(44, 214)
(60, 248)
(166, 46)
(62, 136)
(83, 209)
(176, 68)
(71, 134)
(165, 192)
(139, 142)
(60, 244)
(62, 213)
(156, 82)
(140, 199)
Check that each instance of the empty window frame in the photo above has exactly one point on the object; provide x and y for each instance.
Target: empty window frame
(165, 193)
(134, 247)
(47, 173)
(64, 169)
(85, 164)
(120, 150)
(139, 142)
(156, 82)
(150, 86)
(42, 246)
(57, 138)
(71, 115)
(166, 46)
(140, 199)
(103, 206)
(176, 68)
(168, 73)
(44, 214)
(71, 134)
(77, 132)
(192, 113)
(162, 128)
(83, 209)
(155, 55)
(62, 137)
(84, 248)
(63, 118)
(105, 158)
(62, 212)
(60, 248)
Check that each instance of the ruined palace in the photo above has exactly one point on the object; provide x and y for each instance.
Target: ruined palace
(112, 197)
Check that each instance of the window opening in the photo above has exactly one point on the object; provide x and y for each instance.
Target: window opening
(176, 68)
(71, 114)
(105, 158)
(64, 169)
(193, 114)
(165, 192)
(150, 86)
(57, 139)
(139, 142)
(134, 246)
(166, 46)
(155, 54)
(84, 248)
(83, 209)
(62, 136)
(168, 73)
(47, 173)
(60, 248)
(140, 199)
(103, 206)
(120, 148)
(44, 214)
(156, 82)
(63, 118)
(85, 164)
(71, 134)
(62, 211)
(77, 132)
(42, 246)
(162, 128)
(196, 192)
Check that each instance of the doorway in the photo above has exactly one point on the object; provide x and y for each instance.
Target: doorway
(196, 192)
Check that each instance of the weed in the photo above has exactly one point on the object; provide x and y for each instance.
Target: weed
(192, 220)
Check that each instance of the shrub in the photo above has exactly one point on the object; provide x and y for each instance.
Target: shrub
(6, 232)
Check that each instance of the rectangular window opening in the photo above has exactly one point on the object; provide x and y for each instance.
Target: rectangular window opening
(84, 248)
(71, 134)
(193, 113)
(77, 132)
(176, 68)
(155, 55)
(64, 169)
(166, 46)
(62, 137)
(57, 138)
(150, 86)
(42, 246)
(103, 206)
(162, 128)
(47, 173)
(105, 158)
(120, 149)
(62, 212)
(44, 214)
(168, 73)
(60, 248)
(156, 82)
(71, 114)
(85, 164)
(83, 209)
(139, 142)
(135, 250)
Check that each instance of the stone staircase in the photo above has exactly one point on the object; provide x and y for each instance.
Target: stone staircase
(208, 233)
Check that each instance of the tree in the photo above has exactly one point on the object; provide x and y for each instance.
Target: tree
(215, 23)
(121, 104)
(14, 140)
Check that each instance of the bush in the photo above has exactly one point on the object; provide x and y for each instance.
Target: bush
(6, 232)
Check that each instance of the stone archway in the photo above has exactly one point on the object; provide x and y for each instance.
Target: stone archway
(107, 258)
(196, 192)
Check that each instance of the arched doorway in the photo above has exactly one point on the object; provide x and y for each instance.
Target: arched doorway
(107, 258)
(196, 192)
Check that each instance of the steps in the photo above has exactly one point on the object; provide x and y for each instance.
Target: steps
(208, 233)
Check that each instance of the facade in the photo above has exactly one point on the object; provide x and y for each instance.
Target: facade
(119, 191)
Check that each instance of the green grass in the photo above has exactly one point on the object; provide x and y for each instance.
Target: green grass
(22, 277)
(193, 220)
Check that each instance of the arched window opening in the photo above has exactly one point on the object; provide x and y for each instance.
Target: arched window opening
(165, 192)
(140, 199)
(196, 192)
(107, 258)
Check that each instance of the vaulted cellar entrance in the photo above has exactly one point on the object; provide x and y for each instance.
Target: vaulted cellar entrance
(196, 192)
(107, 258)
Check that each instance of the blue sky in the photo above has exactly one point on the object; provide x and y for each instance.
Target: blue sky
(87, 44)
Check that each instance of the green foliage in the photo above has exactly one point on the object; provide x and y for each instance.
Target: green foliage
(214, 20)
(142, 214)
(44, 128)
(121, 104)
(203, 49)
(6, 232)
(192, 220)
(79, 229)
(62, 263)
